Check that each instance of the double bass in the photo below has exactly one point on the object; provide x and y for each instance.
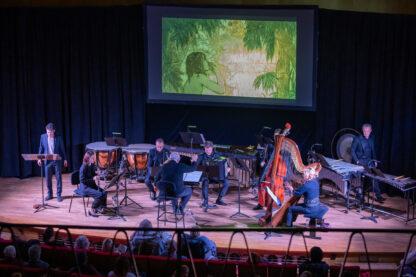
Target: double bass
(285, 165)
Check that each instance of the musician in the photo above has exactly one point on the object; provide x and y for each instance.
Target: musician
(311, 204)
(264, 159)
(172, 171)
(52, 144)
(88, 186)
(210, 157)
(157, 156)
(363, 153)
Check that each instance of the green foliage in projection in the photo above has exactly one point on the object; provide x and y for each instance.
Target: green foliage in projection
(218, 56)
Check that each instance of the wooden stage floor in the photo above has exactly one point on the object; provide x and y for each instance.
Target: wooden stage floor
(17, 197)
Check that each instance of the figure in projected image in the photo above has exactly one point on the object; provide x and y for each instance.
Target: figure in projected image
(198, 70)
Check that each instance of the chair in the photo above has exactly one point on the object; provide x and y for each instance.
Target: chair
(75, 182)
(166, 194)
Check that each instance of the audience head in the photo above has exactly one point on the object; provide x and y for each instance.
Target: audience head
(175, 157)
(9, 252)
(367, 129)
(145, 224)
(82, 242)
(159, 144)
(34, 252)
(48, 234)
(107, 245)
(316, 254)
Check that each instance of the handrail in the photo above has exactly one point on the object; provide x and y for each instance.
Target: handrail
(180, 231)
(217, 229)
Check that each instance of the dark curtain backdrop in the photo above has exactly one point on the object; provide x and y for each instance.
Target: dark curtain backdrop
(82, 68)
(79, 68)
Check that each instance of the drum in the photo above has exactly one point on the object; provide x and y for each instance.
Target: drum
(136, 159)
(106, 156)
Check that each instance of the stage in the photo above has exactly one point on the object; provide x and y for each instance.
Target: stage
(18, 196)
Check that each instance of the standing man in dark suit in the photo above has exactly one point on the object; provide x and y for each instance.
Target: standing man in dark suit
(364, 154)
(172, 171)
(157, 156)
(52, 144)
(210, 157)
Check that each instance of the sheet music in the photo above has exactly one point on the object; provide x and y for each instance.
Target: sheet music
(192, 177)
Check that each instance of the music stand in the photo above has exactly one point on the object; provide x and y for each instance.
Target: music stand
(43, 158)
(242, 166)
(115, 141)
(126, 198)
(114, 182)
(192, 137)
(372, 217)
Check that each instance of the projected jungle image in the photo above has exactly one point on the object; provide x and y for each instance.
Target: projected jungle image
(244, 58)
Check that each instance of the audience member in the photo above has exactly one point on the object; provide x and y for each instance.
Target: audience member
(143, 240)
(201, 247)
(107, 245)
(49, 239)
(34, 254)
(315, 266)
(82, 243)
(9, 253)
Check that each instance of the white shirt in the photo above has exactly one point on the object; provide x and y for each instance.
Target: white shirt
(51, 145)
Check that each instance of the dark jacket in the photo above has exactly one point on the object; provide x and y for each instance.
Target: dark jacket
(173, 172)
(213, 159)
(317, 268)
(86, 176)
(357, 150)
(58, 146)
(156, 158)
(310, 191)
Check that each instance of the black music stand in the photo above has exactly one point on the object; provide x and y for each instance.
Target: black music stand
(192, 137)
(115, 182)
(43, 158)
(115, 141)
(372, 217)
(242, 166)
(126, 198)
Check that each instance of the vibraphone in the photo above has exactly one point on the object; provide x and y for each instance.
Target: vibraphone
(344, 175)
(406, 185)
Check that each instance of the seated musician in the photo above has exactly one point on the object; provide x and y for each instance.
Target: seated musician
(88, 186)
(363, 153)
(209, 157)
(157, 156)
(172, 171)
(311, 205)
